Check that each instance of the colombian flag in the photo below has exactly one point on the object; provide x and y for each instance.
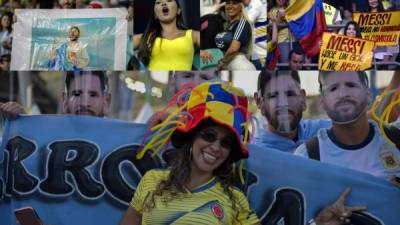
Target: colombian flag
(272, 57)
(306, 20)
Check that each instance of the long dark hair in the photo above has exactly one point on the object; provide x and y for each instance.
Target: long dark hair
(179, 176)
(380, 7)
(356, 27)
(152, 31)
(275, 4)
(10, 17)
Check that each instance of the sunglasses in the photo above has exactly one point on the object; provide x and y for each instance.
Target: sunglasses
(211, 136)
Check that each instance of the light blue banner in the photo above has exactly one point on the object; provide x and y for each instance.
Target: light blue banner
(82, 170)
(313, 185)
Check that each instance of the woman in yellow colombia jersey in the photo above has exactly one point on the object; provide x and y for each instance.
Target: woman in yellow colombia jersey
(198, 187)
(166, 44)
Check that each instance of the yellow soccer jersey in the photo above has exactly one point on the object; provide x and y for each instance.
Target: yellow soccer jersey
(175, 54)
(207, 204)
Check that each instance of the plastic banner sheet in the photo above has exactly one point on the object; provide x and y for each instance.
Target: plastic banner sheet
(70, 40)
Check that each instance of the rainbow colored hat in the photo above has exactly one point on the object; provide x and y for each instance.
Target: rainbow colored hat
(215, 102)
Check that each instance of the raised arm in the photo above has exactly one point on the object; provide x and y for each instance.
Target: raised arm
(274, 36)
(136, 40)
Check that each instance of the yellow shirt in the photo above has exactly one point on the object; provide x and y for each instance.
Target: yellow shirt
(176, 54)
(331, 14)
(283, 33)
(270, 47)
(207, 204)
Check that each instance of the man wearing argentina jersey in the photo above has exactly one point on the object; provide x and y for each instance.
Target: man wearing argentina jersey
(353, 141)
(206, 204)
(257, 12)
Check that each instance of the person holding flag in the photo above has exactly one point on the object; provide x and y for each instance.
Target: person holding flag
(273, 52)
(307, 23)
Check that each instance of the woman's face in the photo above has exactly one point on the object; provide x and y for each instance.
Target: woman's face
(233, 8)
(166, 10)
(347, 14)
(66, 4)
(5, 21)
(280, 3)
(193, 78)
(351, 31)
(211, 147)
(373, 3)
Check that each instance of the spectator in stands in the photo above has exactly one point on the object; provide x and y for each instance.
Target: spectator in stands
(181, 78)
(347, 16)
(5, 62)
(81, 4)
(236, 40)
(211, 22)
(257, 12)
(282, 102)
(11, 5)
(166, 44)
(66, 4)
(375, 6)
(206, 148)
(272, 34)
(272, 40)
(382, 53)
(185, 167)
(352, 30)
(5, 34)
(86, 93)
(296, 59)
(284, 36)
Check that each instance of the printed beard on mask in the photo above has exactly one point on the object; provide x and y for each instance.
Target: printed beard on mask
(284, 126)
(337, 118)
(284, 122)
